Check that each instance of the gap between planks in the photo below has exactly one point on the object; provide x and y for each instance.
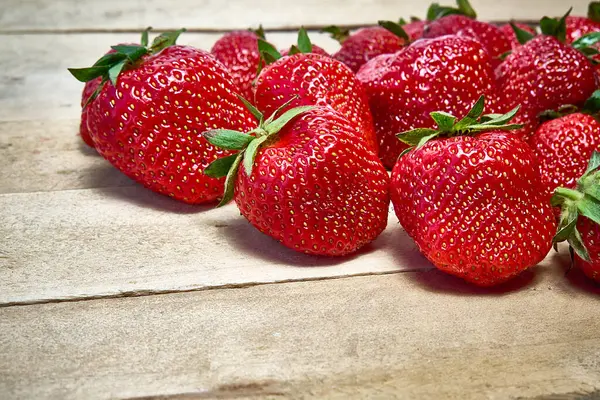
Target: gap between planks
(244, 285)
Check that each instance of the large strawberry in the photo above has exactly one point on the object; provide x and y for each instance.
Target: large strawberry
(564, 145)
(152, 105)
(238, 51)
(545, 73)
(469, 195)
(312, 79)
(306, 180)
(448, 73)
(580, 219)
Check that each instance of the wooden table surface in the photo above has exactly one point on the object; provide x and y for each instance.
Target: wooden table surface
(110, 291)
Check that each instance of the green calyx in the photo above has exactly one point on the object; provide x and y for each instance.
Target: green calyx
(396, 29)
(269, 54)
(260, 32)
(585, 201)
(247, 144)
(522, 35)
(474, 122)
(594, 11)
(437, 11)
(337, 33)
(124, 57)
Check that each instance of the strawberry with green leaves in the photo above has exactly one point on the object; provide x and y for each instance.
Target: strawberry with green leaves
(313, 79)
(469, 195)
(448, 74)
(305, 179)
(580, 219)
(148, 113)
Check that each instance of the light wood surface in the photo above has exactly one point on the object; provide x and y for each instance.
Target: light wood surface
(110, 291)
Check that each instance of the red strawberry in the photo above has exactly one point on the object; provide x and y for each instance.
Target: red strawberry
(491, 37)
(365, 44)
(307, 181)
(238, 51)
(577, 27)
(509, 33)
(580, 219)
(472, 201)
(153, 105)
(315, 80)
(563, 147)
(414, 29)
(448, 73)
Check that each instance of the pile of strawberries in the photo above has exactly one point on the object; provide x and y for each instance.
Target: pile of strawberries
(490, 133)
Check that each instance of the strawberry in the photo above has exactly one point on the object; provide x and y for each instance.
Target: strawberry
(151, 107)
(413, 29)
(238, 51)
(545, 74)
(366, 43)
(469, 196)
(564, 145)
(577, 27)
(510, 35)
(580, 219)
(307, 180)
(448, 73)
(312, 79)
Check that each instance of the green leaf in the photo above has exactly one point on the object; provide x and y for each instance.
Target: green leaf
(220, 167)
(465, 8)
(522, 35)
(144, 40)
(251, 153)
(594, 11)
(496, 120)
(228, 139)
(132, 52)
(566, 226)
(504, 55)
(114, 71)
(444, 120)
(165, 40)
(486, 127)
(109, 59)
(395, 29)
(402, 21)
(590, 208)
(432, 12)
(88, 74)
(593, 164)
(555, 27)
(472, 116)
(586, 41)
(304, 44)
(260, 32)
(96, 92)
(577, 245)
(280, 109)
(230, 180)
(337, 33)
(275, 126)
(257, 114)
(426, 139)
(413, 137)
(268, 51)
(294, 50)
(593, 189)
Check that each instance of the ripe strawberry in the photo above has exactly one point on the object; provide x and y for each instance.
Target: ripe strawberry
(472, 201)
(448, 73)
(580, 219)
(545, 74)
(510, 35)
(577, 27)
(366, 44)
(238, 51)
(312, 79)
(307, 180)
(152, 106)
(563, 147)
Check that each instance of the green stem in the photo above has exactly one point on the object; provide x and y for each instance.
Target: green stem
(569, 193)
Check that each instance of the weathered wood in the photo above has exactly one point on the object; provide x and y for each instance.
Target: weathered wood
(405, 335)
(124, 240)
(36, 15)
(39, 87)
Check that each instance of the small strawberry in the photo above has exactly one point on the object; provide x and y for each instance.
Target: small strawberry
(469, 196)
(545, 74)
(580, 219)
(448, 73)
(577, 27)
(367, 43)
(238, 51)
(150, 109)
(312, 79)
(307, 180)
(564, 145)
(511, 36)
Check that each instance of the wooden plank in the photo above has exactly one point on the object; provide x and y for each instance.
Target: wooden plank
(411, 335)
(128, 240)
(39, 87)
(36, 15)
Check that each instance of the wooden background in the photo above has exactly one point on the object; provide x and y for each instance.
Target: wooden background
(110, 291)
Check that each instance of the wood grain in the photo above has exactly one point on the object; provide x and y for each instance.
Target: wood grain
(410, 335)
(41, 15)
